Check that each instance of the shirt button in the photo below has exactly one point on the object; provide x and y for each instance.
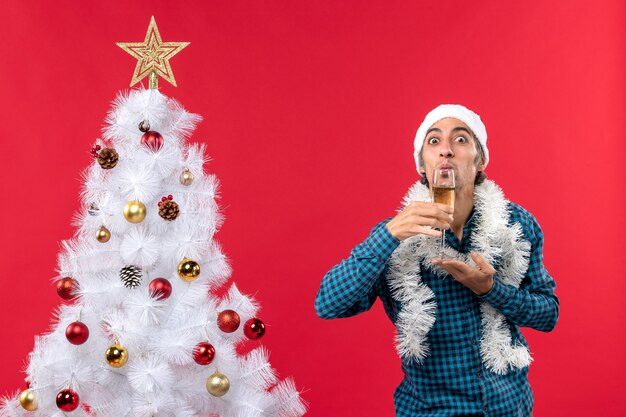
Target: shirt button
(479, 374)
(468, 309)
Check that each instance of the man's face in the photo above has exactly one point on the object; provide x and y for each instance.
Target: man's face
(449, 143)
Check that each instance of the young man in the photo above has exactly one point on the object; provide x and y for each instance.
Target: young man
(458, 318)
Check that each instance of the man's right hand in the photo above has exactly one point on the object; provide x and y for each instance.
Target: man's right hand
(416, 218)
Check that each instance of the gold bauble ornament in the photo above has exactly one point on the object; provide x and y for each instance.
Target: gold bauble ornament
(103, 234)
(116, 355)
(217, 384)
(188, 270)
(135, 211)
(186, 178)
(28, 400)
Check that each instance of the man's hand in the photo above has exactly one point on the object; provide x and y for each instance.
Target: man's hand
(479, 279)
(416, 218)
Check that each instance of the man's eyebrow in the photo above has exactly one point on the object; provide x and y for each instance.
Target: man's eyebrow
(456, 129)
(433, 129)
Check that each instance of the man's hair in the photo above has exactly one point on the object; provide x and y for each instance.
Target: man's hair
(480, 156)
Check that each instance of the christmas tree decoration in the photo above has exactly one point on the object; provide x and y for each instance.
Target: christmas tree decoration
(103, 234)
(93, 209)
(67, 400)
(107, 158)
(95, 150)
(165, 356)
(153, 56)
(28, 401)
(217, 384)
(168, 208)
(116, 355)
(160, 288)
(144, 126)
(131, 276)
(228, 321)
(153, 140)
(66, 288)
(254, 328)
(188, 270)
(135, 211)
(77, 333)
(203, 353)
(186, 178)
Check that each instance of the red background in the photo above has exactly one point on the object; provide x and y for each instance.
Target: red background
(309, 114)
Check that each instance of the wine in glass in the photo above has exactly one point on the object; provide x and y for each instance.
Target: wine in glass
(443, 193)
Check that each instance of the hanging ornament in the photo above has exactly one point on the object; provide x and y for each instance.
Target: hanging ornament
(168, 208)
(144, 126)
(116, 355)
(107, 157)
(135, 211)
(186, 178)
(188, 270)
(228, 321)
(153, 140)
(254, 329)
(28, 400)
(77, 333)
(67, 400)
(203, 353)
(66, 288)
(217, 384)
(103, 235)
(93, 209)
(131, 276)
(160, 288)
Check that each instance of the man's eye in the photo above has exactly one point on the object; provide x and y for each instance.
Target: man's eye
(461, 139)
(433, 141)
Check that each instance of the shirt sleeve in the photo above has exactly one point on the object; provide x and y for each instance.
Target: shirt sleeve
(534, 304)
(349, 287)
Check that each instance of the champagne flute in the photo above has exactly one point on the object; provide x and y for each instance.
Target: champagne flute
(443, 193)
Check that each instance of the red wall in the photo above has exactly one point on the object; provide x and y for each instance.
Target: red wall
(309, 114)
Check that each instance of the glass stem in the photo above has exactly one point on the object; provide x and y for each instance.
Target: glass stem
(443, 241)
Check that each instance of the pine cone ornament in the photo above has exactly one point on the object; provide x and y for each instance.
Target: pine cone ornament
(131, 276)
(168, 208)
(107, 158)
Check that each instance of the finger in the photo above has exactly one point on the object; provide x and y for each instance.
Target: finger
(432, 209)
(430, 221)
(457, 265)
(427, 231)
(444, 208)
(482, 263)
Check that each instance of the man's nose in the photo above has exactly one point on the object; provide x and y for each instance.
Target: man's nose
(445, 150)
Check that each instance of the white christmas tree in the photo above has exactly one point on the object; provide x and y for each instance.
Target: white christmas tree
(144, 334)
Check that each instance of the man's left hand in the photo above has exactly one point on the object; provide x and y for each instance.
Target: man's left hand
(479, 279)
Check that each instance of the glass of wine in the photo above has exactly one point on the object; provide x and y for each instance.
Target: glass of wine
(443, 193)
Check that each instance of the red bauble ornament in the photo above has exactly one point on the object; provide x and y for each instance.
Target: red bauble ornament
(153, 140)
(67, 400)
(203, 353)
(66, 288)
(228, 321)
(254, 329)
(160, 288)
(77, 333)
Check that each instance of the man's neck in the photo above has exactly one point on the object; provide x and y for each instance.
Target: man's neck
(463, 205)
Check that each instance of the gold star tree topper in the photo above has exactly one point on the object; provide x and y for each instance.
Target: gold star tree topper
(153, 56)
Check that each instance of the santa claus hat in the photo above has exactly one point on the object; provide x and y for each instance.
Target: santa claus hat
(471, 119)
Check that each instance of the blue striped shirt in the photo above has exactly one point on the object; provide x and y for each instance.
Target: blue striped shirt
(452, 380)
